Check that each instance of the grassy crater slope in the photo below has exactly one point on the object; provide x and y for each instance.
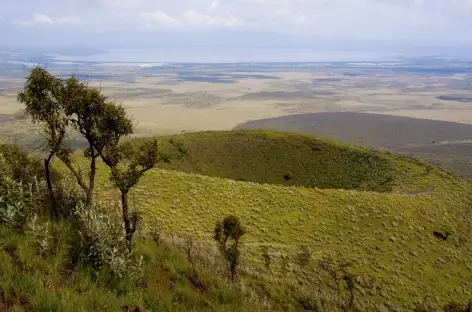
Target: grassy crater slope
(447, 144)
(281, 158)
(388, 236)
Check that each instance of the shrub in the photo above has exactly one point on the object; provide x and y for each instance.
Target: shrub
(424, 307)
(23, 166)
(101, 243)
(304, 256)
(40, 233)
(308, 303)
(457, 307)
(266, 257)
(345, 283)
(19, 200)
(288, 176)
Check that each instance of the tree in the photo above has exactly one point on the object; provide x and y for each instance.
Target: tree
(57, 104)
(42, 97)
(344, 281)
(229, 230)
(98, 120)
(128, 164)
(62, 104)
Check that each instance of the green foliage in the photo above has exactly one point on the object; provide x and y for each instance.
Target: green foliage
(228, 234)
(136, 160)
(23, 166)
(34, 282)
(128, 164)
(21, 192)
(43, 97)
(56, 104)
(278, 217)
(101, 243)
(338, 224)
(40, 232)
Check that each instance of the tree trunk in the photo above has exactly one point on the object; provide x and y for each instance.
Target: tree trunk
(129, 229)
(232, 269)
(49, 184)
(91, 186)
(76, 174)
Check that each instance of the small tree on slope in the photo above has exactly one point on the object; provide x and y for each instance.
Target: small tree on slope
(128, 164)
(228, 234)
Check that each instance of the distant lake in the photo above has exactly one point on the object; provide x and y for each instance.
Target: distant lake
(219, 55)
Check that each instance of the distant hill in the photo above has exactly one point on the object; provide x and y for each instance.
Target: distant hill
(446, 144)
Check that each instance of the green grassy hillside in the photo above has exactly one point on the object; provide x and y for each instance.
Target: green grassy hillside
(78, 263)
(387, 236)
(280, 158)
(46, 283)
(447, 144)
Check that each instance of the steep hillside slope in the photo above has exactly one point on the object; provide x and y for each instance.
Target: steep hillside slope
(387, 236)
(281, 158)
(447, 144)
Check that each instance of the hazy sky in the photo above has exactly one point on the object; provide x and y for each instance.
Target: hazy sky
(282, 23)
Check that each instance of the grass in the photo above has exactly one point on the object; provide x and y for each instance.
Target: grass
(47, 283)
(280, 158)
(439, 142)
(388, 236)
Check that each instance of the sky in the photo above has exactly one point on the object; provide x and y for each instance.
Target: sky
(242, 24)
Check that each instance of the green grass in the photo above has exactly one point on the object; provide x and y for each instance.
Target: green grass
(404, 135)
(30, 282)
(387, 235)
(280, 158)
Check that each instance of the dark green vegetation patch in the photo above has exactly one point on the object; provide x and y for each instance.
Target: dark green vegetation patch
(280, 158)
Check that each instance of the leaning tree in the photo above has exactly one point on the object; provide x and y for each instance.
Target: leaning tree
(42, 97)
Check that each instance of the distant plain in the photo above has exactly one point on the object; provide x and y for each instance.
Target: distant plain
(171, 98)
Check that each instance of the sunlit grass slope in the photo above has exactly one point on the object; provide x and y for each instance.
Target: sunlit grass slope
(387, 235)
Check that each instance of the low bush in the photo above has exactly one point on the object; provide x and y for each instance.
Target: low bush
(100, 242)
(20, 198)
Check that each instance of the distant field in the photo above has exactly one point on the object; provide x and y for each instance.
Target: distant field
(457, 98)
(446, 144)
(170, 98)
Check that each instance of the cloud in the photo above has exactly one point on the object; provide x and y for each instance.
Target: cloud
(161, 18)
(364, 19)
(214, 5)
(71, 20)
(42, 19)
(300, 20)
(202, 20)
(121, 4)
